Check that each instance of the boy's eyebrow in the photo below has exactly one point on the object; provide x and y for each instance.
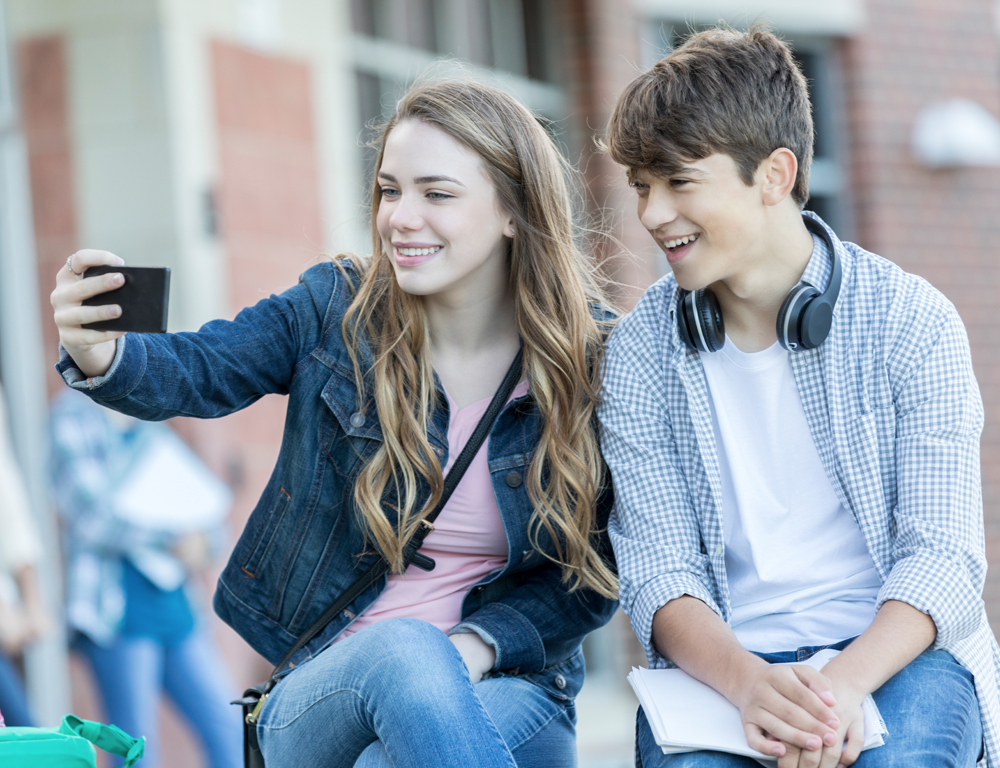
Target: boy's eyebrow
(692, 169)
(420, 179)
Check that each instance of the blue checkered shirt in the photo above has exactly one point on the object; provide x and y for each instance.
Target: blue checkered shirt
(896, 416)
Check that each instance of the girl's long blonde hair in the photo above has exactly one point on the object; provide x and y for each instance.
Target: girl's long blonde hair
(554, 294)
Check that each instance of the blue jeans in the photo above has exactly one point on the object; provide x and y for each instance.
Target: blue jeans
(132, 674)
(397, 695)
(13, 700)
(929, 707)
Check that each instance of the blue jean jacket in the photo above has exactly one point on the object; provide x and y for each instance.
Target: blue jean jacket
(303, 544)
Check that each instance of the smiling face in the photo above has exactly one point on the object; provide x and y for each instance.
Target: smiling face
(707, 221)
(438, 216)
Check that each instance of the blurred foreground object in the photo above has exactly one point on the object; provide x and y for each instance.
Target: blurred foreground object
(23, 617)
(129, 563)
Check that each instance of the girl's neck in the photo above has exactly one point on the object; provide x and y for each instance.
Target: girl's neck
(472, 344)
(470, 325)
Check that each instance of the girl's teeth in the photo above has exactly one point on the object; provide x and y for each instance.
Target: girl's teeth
(418, 251)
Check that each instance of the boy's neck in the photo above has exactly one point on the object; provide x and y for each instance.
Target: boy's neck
(750, 299)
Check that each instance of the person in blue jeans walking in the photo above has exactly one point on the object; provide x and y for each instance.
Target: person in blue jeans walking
(388, 362)
(127, 595)
(24, 618)
(792, 424)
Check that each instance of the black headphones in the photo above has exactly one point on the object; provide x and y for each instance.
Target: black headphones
(804, 319)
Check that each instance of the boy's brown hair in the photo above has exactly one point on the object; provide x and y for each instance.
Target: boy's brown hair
(723, 91)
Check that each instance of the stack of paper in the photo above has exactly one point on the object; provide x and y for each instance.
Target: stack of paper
(686, 715)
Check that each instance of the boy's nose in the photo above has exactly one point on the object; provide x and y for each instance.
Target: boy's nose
(657, 209)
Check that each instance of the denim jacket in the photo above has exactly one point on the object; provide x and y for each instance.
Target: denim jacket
(303, 544)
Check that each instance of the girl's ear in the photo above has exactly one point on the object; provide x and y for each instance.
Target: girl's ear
(508, 229)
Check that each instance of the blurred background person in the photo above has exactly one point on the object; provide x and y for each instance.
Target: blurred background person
(132, 548)
(23, 617)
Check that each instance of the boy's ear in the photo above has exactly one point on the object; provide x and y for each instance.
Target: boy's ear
(778, 172)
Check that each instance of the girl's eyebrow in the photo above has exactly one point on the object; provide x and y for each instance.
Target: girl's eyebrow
(421, 179)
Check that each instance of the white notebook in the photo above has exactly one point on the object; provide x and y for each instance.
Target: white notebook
(686, 715)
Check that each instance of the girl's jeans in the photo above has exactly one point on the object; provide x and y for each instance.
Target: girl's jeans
(397, 695)
(132, 674)
(929, 707)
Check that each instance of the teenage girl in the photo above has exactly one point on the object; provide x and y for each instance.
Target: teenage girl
(388, 364)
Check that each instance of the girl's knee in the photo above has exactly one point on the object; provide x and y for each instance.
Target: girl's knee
(411, 649)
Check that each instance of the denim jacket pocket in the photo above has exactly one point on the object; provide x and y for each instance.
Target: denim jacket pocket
(355, 432)
(261, 547)
(562, 681)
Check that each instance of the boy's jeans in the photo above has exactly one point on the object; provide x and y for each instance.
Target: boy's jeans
(397, 695)
(930, 708)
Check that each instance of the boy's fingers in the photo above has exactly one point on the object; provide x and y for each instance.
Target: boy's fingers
(762, 742)
(854, 741)
(780, 729)
(814, 693)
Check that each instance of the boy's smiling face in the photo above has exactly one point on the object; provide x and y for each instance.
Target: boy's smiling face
(707, 221)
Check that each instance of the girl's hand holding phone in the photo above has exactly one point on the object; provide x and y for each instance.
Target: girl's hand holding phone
(93, 351)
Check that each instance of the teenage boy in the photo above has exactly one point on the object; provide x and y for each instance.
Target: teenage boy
(785, 479)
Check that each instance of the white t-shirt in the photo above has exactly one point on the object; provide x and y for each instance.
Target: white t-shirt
(798, 569)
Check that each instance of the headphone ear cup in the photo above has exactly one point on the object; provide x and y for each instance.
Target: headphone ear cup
(683, 326)
(710, 317)
(814, 327)
(794, 310)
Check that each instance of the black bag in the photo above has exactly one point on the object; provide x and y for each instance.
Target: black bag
(254, 697)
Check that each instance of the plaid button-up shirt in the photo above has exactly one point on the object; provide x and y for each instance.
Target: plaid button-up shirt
(895, 413)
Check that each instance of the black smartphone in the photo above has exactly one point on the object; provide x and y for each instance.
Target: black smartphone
(143, 298)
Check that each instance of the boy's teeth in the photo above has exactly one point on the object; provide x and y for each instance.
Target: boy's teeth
(681, 241)
(418, 251)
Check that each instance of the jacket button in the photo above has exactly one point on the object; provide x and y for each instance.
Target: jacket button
(439, 450)
(559, 681)
(513, 479)
(527, 555)
(357, 419)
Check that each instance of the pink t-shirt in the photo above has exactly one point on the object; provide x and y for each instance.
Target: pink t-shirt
(468, 540)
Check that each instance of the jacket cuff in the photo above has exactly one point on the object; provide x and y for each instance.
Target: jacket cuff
(521, 646)
(655, 594)
(936, 585)
(120, 379)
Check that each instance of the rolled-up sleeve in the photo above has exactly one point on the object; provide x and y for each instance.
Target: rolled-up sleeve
(939, 562)
(654, 527)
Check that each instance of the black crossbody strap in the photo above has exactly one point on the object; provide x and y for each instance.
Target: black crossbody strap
(381, 567)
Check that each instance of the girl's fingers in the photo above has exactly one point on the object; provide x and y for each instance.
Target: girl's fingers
(71, 317)
(86, 258)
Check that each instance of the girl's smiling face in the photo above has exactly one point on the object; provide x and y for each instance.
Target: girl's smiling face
(439, 218)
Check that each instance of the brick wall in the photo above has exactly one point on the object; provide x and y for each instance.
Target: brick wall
(602, 50)
(41, 67)
(270, 227)
(943, 224)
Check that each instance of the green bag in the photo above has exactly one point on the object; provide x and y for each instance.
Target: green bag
(71, 745)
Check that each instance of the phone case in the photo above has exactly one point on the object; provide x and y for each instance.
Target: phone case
(144, 299)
